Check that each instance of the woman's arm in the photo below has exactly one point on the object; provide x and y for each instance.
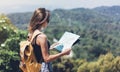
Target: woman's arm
(42, 41)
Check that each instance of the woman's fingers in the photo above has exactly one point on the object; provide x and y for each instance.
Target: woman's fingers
(66, 51)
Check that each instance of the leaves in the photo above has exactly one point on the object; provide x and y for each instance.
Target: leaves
(99, 36)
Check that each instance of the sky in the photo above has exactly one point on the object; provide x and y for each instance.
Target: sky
(12, 6)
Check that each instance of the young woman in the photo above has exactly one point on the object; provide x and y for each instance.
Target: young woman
(39, 21)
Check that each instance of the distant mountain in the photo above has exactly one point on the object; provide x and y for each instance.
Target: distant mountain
(20, 20)
(98, 17)
(113, 11)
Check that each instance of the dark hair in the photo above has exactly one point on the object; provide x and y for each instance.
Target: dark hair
(39, 17)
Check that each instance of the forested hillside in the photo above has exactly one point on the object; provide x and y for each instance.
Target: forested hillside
(106, 19)
(100, 15)
(99, 28)
(97, 51)
(113, 11)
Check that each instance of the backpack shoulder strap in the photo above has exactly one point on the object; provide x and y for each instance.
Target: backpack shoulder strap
(34, 34)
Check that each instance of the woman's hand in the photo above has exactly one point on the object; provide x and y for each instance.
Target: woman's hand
(66, 51)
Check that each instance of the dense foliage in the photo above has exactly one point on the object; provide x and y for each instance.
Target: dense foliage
(97, 51)
(10, 37)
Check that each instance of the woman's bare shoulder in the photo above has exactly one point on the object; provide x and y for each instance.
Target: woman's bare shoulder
(42, 36)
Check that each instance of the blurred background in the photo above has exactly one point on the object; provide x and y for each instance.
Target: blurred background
(96, 21)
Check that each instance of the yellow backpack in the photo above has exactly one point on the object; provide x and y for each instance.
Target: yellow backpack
(28, 61)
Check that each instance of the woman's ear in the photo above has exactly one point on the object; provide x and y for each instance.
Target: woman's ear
(45, 24)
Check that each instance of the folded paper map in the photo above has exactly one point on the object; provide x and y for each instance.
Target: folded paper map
(66, 41)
